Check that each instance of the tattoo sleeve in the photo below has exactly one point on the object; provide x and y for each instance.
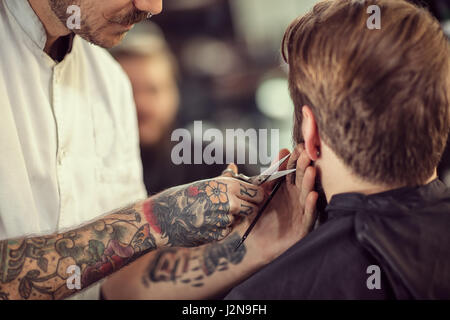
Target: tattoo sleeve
(184, 216)
(192, 266)
(36, 268)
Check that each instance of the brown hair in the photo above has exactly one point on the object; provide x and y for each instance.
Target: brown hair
(380, 97)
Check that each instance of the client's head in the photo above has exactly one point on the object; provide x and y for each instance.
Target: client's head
(373, 103)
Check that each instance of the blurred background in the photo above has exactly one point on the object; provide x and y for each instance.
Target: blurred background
(217, 61)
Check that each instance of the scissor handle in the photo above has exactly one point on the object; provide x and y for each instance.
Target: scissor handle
(256, 180)
(239, 176)
(243, 177)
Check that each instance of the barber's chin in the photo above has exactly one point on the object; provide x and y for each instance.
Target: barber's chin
(112, 41)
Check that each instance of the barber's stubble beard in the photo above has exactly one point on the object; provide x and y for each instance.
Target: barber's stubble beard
(90, 32)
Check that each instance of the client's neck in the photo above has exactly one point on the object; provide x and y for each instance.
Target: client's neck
(337, 178)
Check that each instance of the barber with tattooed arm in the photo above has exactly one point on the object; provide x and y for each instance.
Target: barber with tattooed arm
(69, 151)
(184, 216)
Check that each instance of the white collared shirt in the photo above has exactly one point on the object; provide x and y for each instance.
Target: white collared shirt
(69, 148)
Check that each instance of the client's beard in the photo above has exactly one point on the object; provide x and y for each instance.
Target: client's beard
(321, 204)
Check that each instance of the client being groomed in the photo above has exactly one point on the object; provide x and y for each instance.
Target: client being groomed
(372, 108)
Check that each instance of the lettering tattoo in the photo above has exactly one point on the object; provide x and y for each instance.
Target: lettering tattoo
(184, 215)
(247, 191)
(36, 268)
(245, 210)
(192, 266)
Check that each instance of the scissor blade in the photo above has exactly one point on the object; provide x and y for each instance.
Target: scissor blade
(274, 168)
(280, 174)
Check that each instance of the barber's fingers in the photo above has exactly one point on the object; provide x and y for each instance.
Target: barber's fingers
(228, 172)
(307, 183)
(247, 209)
(310, 212)
(303, 162)
(243, 208)
(298, 150)
(247, 191)
(283, 153)
(292, 163)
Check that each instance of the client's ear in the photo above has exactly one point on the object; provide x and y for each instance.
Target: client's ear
(310, 134)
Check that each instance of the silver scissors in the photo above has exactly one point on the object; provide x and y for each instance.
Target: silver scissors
(269, 174)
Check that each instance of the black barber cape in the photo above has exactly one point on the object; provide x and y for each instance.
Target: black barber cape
(403, 232)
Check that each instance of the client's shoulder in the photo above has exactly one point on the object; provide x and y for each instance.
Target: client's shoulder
(329, 263)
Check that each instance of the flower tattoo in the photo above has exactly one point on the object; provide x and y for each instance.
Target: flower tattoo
(216, 192)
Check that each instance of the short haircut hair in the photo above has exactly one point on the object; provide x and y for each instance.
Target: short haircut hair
(380, 97)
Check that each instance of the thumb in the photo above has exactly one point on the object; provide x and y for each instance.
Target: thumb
(228, 172)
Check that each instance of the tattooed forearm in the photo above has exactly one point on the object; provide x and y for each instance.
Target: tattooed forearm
(214, 253)
(185, 215)
(37, 267)
(192, 266)
(3, 295)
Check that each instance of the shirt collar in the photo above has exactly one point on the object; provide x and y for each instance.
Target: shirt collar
(28, 21)
(408, 196)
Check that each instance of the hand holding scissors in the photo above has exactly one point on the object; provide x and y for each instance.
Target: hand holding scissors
(270, 174)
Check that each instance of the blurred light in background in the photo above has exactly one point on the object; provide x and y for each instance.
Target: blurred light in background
(273, 100)
(446, 26)
(186, 4)
(261, 23)
(209, 57)
(441, 9)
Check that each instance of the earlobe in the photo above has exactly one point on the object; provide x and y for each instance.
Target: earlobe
(310, 134)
